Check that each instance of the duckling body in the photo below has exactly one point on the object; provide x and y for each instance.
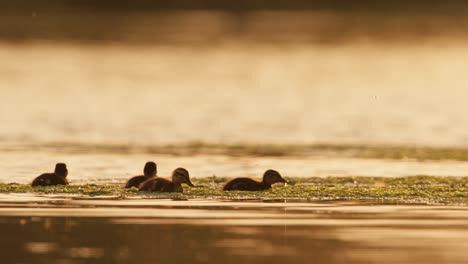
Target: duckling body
(136, 181)
(157, 184)
(160, 185)
(150, 170)
(247, 184)
(58, 177)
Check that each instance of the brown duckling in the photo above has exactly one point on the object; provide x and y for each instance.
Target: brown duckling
(247, 184)
(157, 184)
(58, 177)
(150, 170)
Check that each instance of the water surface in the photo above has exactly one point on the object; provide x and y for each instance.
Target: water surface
(235, 93)
(63, 230)
(239, 93)
(104, 168)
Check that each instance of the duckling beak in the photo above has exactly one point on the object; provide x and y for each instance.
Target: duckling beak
(283, 180)
(189, 183)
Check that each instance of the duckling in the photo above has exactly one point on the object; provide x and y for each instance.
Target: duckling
(179, 176)
(150, 170)
(247, 184)
(58, 177)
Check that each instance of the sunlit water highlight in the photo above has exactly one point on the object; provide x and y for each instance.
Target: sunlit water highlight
(23, 166)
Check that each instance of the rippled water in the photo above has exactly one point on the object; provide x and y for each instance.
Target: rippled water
(232, 93)
(355, 93)
(60, 230)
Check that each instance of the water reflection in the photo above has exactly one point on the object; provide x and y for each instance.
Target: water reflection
(213, 231)
(104, 242)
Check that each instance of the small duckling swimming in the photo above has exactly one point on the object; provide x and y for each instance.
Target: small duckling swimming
(58, 177)
(150, 170)
(247, 184)
(179, 176)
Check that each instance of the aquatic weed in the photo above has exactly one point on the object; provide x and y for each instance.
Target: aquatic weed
(416, 189)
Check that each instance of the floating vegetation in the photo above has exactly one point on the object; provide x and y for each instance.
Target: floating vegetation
(415, 189)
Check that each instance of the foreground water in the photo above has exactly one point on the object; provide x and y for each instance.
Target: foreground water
(45, 229)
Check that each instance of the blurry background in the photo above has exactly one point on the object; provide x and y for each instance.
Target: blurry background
(212, 22)
(275, 72)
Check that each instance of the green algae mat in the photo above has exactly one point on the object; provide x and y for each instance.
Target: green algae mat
(414, 190)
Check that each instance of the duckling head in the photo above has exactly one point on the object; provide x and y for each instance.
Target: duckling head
(271, 177)
(181, 175)
(61, 169)
(150, 169)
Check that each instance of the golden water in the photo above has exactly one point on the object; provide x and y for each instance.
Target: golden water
(297, 93)
(120, 231)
